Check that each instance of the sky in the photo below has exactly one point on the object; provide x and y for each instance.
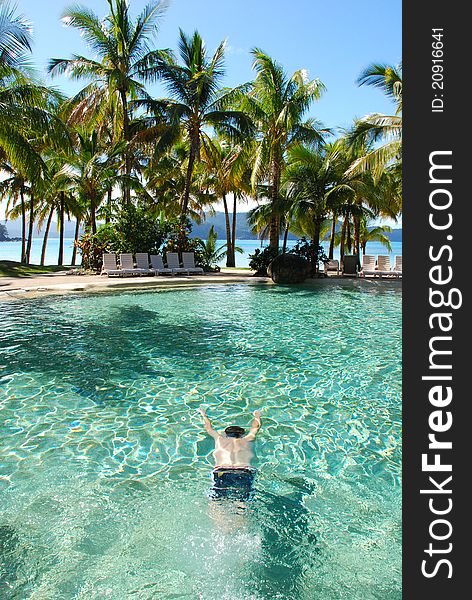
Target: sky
(334, 40)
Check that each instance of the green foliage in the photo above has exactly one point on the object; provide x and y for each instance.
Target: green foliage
(136, 230)
(261, 259)
(209, 253)
(93, 245)
(133, 230)
(309, 250)
(179, 240)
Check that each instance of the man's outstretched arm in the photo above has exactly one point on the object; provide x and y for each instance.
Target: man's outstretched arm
(255, 426)
(207, 423)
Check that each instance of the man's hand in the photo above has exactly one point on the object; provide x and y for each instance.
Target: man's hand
(202, 411)
(257, 414)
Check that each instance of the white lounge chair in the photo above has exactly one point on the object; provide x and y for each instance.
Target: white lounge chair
(188, 259)
(173, 263)
(157, 265)
(398, 265)
(142, 262)
(368, 266)
(109, 266)
(383, 266)
(127, 265)
(331, 265)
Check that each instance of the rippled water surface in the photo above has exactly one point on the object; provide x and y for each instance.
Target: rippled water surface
(104, 466)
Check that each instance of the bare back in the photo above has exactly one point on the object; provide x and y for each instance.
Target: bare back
(233, 452)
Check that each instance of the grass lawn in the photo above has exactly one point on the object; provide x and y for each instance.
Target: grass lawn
(11, 268)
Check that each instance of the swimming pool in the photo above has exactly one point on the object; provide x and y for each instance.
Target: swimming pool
(105, 467)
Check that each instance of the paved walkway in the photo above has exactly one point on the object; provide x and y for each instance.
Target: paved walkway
(61, 282)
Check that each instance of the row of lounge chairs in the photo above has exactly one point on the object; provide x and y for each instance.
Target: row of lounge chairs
(371, 266)
(149, 265)
(381, 267)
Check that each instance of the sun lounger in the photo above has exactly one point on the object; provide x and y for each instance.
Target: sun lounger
(109, 266)
(188, 258)
(331, 265)
(368, 266)
(350, 265)
(173, 263)
(142, 262)
(398, 266)
(157, 265)
(383, 266)
(127, 265)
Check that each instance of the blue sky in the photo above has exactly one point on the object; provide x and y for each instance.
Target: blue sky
(333, 39)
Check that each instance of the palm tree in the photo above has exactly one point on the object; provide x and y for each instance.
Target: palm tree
(376, 127)
(166, 176)
(123, 61)
(25, 105)
(196, 101)
(210, 254)
(374, 234)
(278, 104)
(228, 166)
(13, 190)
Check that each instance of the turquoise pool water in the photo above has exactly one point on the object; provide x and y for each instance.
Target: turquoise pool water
(104, 465)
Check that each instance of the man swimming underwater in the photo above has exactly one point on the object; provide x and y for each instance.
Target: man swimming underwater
(233, 474)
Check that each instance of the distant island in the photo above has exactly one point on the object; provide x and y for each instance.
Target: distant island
(4, 237)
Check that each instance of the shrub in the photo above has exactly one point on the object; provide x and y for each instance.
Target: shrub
(261, 259)
(136, 230)
(307, 249)
(92, 246)
(133, 230)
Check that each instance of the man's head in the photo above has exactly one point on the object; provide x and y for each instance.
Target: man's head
(234, 431)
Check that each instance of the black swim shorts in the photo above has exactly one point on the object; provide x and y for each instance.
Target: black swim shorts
(232, 483)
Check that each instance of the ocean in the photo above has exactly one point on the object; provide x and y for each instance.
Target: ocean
(12, 250)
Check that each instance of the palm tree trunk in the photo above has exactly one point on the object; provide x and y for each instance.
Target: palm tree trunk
(357, 242)
(30, 229)
(348, 236)
(333, 234)
(188, 182)
(284, 246)
(108, 212)
(228, 233)
(127, 158)
(233, 233)
(23, 225)
(316, 243)
(76, 239)
(343, 238)
(60, 258)
(93, 216)
(46, 236)
(274, 227)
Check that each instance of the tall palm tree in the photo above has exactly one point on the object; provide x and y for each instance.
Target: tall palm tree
(228, 166)
(25, 105)
(13, 190)
(379, 128)
(311, 176)
(91, 172)
(123, 62)
(278, 105)
(196, 101)
(166, 176)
